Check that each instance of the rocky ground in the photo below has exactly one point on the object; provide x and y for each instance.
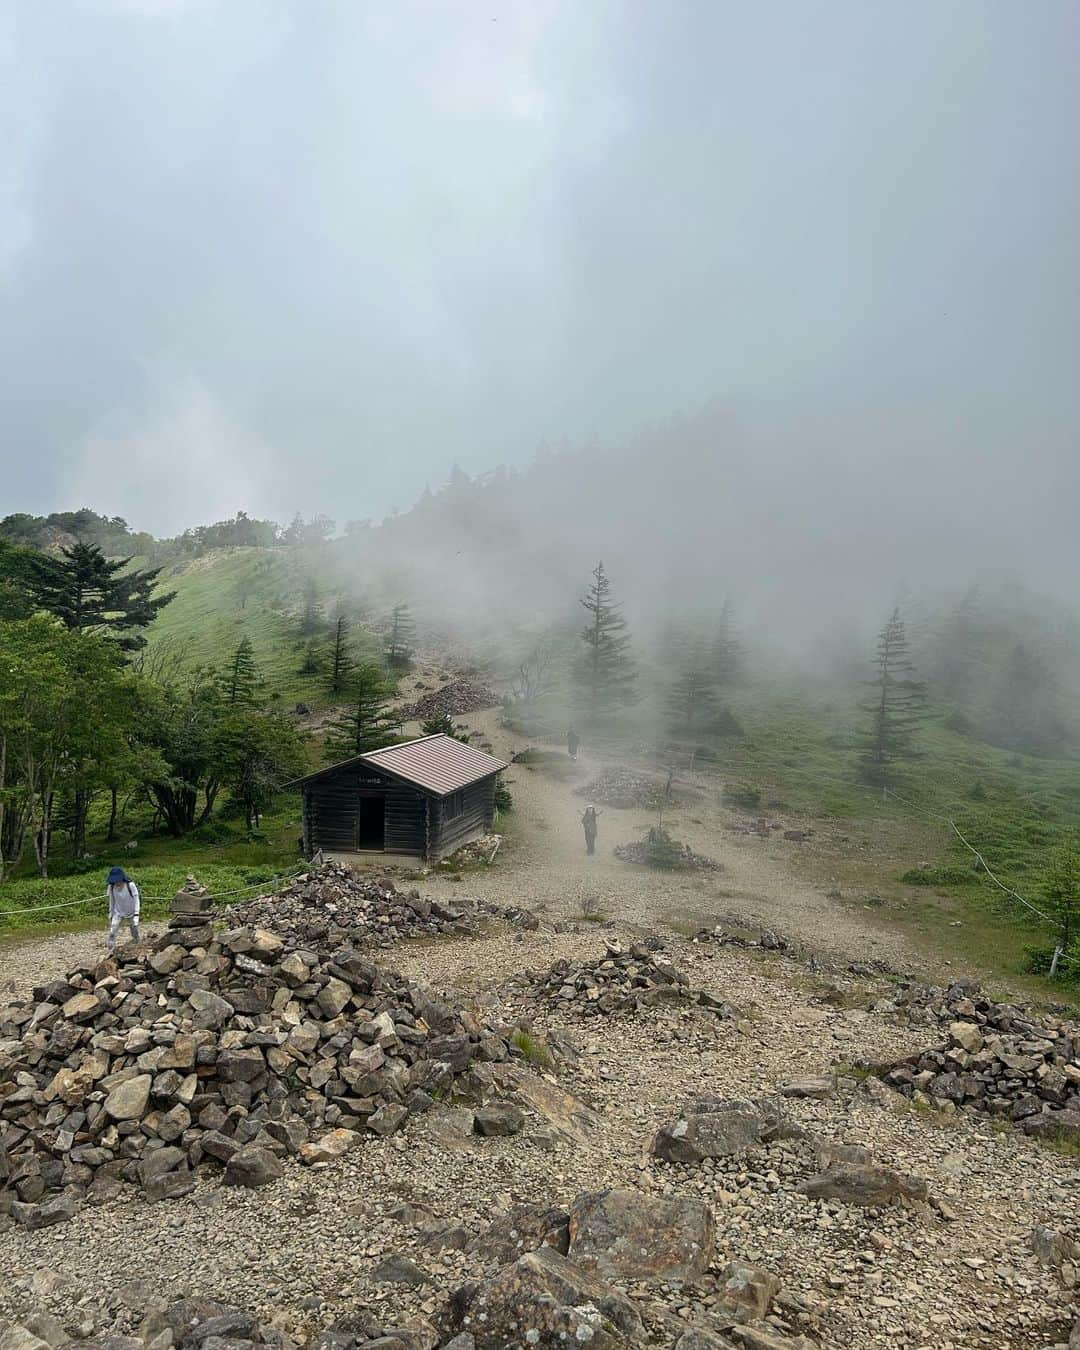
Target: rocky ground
(829, 1210)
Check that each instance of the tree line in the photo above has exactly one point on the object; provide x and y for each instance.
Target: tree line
(82, 718)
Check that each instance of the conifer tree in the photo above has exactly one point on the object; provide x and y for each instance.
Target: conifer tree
(339, 665)
(94, 594)
(311, 619)
(897, 706)
(399, 644)
(606, 673)
(692, 700)
(365, 724)
(727, 651)
(241, 677)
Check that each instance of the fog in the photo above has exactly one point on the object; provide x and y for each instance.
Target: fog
(793, 289)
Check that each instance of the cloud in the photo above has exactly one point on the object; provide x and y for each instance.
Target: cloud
(173, 457)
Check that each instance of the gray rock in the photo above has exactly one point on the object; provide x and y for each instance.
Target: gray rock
(625, 1235)
(864, 1184)
(749, 1289)
(129, 1100)
(252, 1167)
(726, 1128)
(499, 1118)
(398, 1269)
(56, 1209)
(546, 1301)
(18, 1337)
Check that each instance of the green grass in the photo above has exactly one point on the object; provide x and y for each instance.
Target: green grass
(911, 870)
(157, 884)
(220, 855)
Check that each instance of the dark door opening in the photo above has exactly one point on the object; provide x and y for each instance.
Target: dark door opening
(371, 830)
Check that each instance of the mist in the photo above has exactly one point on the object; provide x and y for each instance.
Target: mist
(307, 258)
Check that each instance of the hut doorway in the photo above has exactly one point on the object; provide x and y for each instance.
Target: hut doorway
(371, 827)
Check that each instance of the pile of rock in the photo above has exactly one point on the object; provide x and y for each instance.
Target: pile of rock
(452, 700)
(623, 788)
(333, 904)
(999, 1060)
(622, 980)
(207, 1048)
(671, 853)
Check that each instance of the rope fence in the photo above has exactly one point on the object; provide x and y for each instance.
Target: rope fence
(150, 899)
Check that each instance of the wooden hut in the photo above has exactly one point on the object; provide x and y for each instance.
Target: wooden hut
(420, 800)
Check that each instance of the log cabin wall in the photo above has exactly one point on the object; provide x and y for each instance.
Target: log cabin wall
(451, 827)
(332, 813)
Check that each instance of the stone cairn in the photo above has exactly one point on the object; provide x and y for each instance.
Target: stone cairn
(622, 980)
(207, 1048)
(997, 1059)
(333, 904)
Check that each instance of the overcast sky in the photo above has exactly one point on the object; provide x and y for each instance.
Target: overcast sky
(304, 254)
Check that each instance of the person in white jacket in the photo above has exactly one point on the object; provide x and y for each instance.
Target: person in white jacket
(123, 905)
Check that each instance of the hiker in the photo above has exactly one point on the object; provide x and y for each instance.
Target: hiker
(588, 821)
(573, 740)
(123, 905)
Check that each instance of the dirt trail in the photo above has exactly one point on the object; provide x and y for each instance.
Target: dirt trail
(545, 866)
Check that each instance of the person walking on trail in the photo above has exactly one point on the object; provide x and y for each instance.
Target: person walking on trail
(588, 821)
(123, 905)
(573, 740)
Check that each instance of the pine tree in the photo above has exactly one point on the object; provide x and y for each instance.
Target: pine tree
(365, 724)
(443, 725)
(339, 664)
(606, 673)
(897, 708)
(241, 677)
(311, 620)
(692, 700)
(93, 594)
(399, 644)
(727, 653)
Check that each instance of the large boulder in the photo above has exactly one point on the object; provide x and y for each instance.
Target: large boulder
(715, 1130)
(864, 1184)
(625, 1235)
(1057, 1126)
(545, 1301)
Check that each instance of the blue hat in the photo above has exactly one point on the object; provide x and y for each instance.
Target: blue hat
(116, 876)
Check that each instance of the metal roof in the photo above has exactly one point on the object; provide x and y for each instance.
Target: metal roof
(437, 764)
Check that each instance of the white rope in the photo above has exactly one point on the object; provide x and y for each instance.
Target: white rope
(931, 815)
(150, 899)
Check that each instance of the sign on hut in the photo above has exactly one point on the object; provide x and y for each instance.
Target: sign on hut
(419, 800)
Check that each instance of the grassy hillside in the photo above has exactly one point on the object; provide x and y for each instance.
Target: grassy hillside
(798, 758)
(231, 594)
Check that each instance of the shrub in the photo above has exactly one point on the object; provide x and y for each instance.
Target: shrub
(504, 800)
(939, 876)
(661, 850)
(746, 798)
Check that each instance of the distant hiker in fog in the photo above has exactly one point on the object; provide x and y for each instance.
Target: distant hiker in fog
(123, 905)
(572, 743)
(588, 821)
